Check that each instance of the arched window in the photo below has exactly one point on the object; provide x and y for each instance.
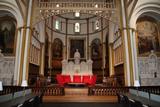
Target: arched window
(57, 25)
(77, 27)
(97, 25)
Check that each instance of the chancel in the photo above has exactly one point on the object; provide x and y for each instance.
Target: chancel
(79, 51)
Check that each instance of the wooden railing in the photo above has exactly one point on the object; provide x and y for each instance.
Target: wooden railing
(100, 91)
(95, 91)
(103, 91)
(49, 91)
(10, 89)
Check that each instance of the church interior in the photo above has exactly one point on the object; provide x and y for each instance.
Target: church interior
(79, 53)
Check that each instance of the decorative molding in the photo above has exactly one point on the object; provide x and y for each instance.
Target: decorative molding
(101, 8)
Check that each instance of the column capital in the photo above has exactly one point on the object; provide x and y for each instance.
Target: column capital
(24, 27)
(111, 44)
(129, 28)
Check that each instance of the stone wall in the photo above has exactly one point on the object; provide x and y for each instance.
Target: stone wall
(7, 66)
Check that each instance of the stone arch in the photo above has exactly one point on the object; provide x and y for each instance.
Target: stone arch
(14, 11)
(7, 31)
(142, 9)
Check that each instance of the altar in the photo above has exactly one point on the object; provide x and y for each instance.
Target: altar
(77, 67)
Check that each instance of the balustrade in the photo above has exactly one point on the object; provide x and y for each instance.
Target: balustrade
(102, 91)
(48, 91)
(92, 91)
(10, 89)
(77, 4)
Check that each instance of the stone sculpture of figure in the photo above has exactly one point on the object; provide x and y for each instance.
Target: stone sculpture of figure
(77, 57)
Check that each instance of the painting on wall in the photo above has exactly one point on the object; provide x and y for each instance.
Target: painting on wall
(95, 48)
(77, 44)
(148, 38)
(57, 48)
(7, 35)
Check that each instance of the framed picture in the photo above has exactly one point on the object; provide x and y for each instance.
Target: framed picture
(7, 35)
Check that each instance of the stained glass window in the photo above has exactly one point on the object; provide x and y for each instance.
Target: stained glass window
(57, 25)
(96, 24)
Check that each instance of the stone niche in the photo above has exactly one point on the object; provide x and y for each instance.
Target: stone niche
(149, 70)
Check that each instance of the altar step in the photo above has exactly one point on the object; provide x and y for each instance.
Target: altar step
(76, 91)
(80, 98)
(79, 95)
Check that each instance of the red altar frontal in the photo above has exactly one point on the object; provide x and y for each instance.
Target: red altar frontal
(77, 79)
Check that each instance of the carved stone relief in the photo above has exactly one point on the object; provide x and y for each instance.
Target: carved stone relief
(149, 69)
(7, 65)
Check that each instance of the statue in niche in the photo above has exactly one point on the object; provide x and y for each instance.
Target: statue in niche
(153, 61)
(77, 57)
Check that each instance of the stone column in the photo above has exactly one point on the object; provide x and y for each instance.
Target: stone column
(128, 67)
(66, 45)
(111, 60)
(103, 46)
(89, 51)
(87, 39)
(134, 54)
(27, 43)
(50, 56)
(42, 59)
(104, 56)
(64, 52)
(18, 56)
